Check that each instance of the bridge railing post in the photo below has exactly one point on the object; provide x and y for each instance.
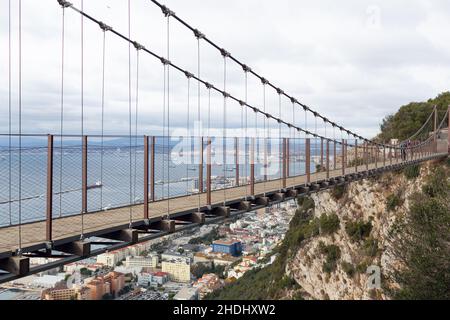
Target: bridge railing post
(343, 156)
(252, 167)
(200, 165)
(236, 161)
(334, 155)
(152, 169)
(356, 155)
(384, 156)
(49, 214)
(284, 161)
(208, 172)
(288, 157)
(84, 207)
(146, 174)
(328, 159)
(448, 130)
(308, 159)
(321, 153)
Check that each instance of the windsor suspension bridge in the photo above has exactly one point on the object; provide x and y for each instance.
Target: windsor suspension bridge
(72, 196)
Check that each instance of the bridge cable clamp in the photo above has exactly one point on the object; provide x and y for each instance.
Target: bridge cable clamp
(188, 74)
(246, 68)
(104, 26)
(208, 85)
(198, 34)
(167, 12)
(64, 4)
(165, 61)
(224, 53)
(138, 46)
(264, 81)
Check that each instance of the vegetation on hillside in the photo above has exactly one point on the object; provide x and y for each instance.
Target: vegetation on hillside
(272, 282)
(410, 118)
(422, 244)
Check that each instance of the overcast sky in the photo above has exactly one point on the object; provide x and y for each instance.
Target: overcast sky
(355, 61)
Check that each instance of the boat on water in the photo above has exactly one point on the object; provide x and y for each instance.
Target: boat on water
(97, 185)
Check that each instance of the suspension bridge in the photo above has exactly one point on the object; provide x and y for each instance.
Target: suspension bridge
(67, 197)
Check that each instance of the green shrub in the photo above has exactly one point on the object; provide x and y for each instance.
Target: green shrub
(370, 247)
(338, 192)
(348, 268)
(329, 224)
(332, 254)
(412, 172)
(358, 230)
(436, 184)
(393, 201)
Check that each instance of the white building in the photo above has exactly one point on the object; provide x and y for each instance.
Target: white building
(150, 261)
(186, 294)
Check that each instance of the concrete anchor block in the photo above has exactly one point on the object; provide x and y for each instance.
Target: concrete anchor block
(198, 217)
(79, 248)
(262, 201)
(244, 206)
(18, 266)
(222, 211)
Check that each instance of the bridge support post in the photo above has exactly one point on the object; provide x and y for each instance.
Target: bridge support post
(288, 157)
(356, 155)
(334, 155)
(236, 159)
(435, 130)
(321, 153)
(252, 167)
(84, 175)
(343, 152)
(376, 156)
(366, 155)
(308, 159)
(200, 165)
(208, 172)
(146, 150)
(448, 130)
(328, 159)
(384, 156)
(284, 161)
(18, 266)
(152, 170)
(49, 215)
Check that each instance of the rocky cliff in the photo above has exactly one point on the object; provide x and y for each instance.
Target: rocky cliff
(378, 203)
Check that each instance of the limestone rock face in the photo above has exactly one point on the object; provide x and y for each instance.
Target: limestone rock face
(364, 200)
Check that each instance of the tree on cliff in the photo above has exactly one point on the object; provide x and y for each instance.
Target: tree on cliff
(423, 244)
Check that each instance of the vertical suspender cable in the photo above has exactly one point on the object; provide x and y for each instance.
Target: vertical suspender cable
(136, 123)
(188, 158)
(316, 147)
(20, 128)
(294, 136)
(129, 118)
(266, 138)
(224, 130)
(200, 140)
(168, 117)
(9, 117)
(82, 102)
(103, 119)
(246, 141)
(306, 137)
(280, 143)
(61, 125)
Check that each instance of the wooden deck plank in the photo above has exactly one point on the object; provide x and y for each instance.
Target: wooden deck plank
(34, 233)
